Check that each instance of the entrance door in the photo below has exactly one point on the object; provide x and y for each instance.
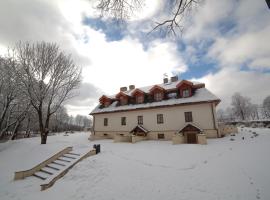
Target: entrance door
(191, 138)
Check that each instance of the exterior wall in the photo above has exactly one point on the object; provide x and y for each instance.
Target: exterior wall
(178, 139)
(154, 135)
(120, 138)
(174, 119)
(201, 139)
(227, 129)
(211, 133)
(135, 138)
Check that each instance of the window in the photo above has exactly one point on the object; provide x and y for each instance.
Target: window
(188, 116)
(160, 118)
(140, 120)
(107, 103)
(158, 96)
(123, 100)
(123, 121)
(105, 121)
(161, 136)
(186, 93)
(139, 99)
(105, 134)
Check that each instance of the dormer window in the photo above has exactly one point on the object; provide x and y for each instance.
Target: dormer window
(123, 100)
(139, 99)
(105, 101)
(158, 96)
(186, 93)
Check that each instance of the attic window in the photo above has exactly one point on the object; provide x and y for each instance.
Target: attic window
(158, 96)
(186, 93)
(107, 103)
(139, 99)
(123, 100)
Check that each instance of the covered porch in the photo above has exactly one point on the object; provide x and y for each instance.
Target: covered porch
(190, 134)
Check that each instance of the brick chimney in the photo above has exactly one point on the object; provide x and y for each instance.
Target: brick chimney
(123, 89)
(174, 78)
(131, 87)
(165, 80)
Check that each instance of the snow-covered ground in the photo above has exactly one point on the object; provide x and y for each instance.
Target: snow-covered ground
(223, 169)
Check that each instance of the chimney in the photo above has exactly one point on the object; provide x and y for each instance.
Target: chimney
(131, 87)
(123, 89)
(165, 80)
(174, 78)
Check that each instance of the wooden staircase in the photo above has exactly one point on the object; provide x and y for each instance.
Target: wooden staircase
(56, 165)
(50, 170)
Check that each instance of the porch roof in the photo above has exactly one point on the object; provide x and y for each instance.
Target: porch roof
(139, 129)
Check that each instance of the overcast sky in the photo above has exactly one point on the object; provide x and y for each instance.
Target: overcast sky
(225, 44)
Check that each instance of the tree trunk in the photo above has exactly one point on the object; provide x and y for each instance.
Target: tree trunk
(15, 131)
(43, 138)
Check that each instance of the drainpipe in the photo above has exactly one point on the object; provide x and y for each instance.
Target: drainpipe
(94, 124)
(214, 119)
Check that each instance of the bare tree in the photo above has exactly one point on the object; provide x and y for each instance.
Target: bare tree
(79, 120)
(87, 122)
(48, 77)
(175, 10)
(253, 111)
(266, 107)
(221, 115)
(8, 93)
(241, 106)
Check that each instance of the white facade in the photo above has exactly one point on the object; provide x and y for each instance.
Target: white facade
(190, 112)
(173, 120)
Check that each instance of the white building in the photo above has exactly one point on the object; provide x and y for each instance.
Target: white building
(177, 110)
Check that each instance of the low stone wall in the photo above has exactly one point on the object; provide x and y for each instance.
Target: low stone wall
(201, 138)
(225, 129)
(135, 138)
(211, 133)
(178, 139)
(122, 138)
(101, 135)
(22, 174)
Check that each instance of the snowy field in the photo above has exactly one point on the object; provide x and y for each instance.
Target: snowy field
(223, 169)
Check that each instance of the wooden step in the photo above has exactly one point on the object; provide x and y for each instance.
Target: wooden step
(40, 176)
(47, 172)
(48, 169)
(57, 163)
(68, 157)
(52, 167)
(63, 160)
(76, 154)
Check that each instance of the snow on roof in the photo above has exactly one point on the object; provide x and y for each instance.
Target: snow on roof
(141, 128)
(190, 124)
(146, 89)
(200, 95)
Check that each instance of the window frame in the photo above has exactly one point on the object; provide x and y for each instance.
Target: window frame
(188, 116)
(184, 94)
(160, 119)
(139, 99)
(158, 96)
(159, 136)
(140, 120)
(123, 121)
(123, 100)
(105, 121)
